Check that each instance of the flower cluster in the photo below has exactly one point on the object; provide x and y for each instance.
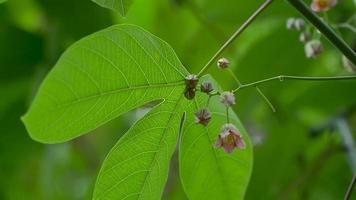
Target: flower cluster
(312, 46)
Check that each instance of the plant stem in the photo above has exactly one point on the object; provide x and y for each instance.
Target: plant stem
(266, 99)
(285, 77)
(235, 35)
(350, 188)
(324, 28)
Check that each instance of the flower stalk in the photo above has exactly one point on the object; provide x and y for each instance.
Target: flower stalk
(285, 77)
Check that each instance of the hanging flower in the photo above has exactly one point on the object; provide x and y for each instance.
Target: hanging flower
(202, 116)
(223, 63)
(227, 98)
(322, 5)
(295, 24)
(191, 82)
(304, 37)
(230, 138)
(206, 87)
(313, 48)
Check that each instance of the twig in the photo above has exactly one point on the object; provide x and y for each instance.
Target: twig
(285, 77)
(265, 99)
(235, 35)
(350, 188)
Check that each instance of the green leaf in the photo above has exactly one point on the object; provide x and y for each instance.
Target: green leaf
(207, 172)
(120, 6)
(114, 71)
(100, 77)
(137, 166)
(2, 1)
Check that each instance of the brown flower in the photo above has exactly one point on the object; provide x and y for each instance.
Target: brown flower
(322, 5)
(230, 138)
(202, 116)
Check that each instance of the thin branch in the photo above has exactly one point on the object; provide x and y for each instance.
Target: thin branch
(235, 35)
(265, 99)
(325, 29)
(284, 77)
(350, 188)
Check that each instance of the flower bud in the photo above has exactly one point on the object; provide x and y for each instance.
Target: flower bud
(299, 24)
(304, 36)
(295, 24)
(348, 65)
(290, 23)
(322, 5)
(202, 116)
(191, 82)
(206, 87)
(227, 98)
(230, 138)
(223, 63)
(313, 48)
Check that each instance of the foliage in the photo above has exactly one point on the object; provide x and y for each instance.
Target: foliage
(176, 160)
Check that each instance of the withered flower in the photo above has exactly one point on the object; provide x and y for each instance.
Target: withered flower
(202, 116)
(230, 138)
(191, 82)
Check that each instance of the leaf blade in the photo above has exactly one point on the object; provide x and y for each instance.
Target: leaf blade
(120, 6)
(100, 77)
(207, 172)
(144, 154)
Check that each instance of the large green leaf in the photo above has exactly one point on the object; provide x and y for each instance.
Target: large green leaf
(120, 6)
(207, 172)
(100, 77)
(116, 70)
(137, 166)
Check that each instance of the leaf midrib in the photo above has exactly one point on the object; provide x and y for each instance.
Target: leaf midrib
(112, 92)
(160, 143)
(215, 156)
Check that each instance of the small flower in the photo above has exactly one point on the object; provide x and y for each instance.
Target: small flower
(295, 24)
(206, 87)
(299, 24)
(223, 63)
(290, 23)
(230, 138)
(313, 48)
(202, 116)
(322, 5)
(227, 98)
(348, 65)
(304, 37)
(191, 82)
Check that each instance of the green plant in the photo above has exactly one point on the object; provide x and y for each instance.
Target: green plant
(124, 67)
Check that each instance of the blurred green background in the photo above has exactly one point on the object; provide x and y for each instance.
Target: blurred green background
(299, 151)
